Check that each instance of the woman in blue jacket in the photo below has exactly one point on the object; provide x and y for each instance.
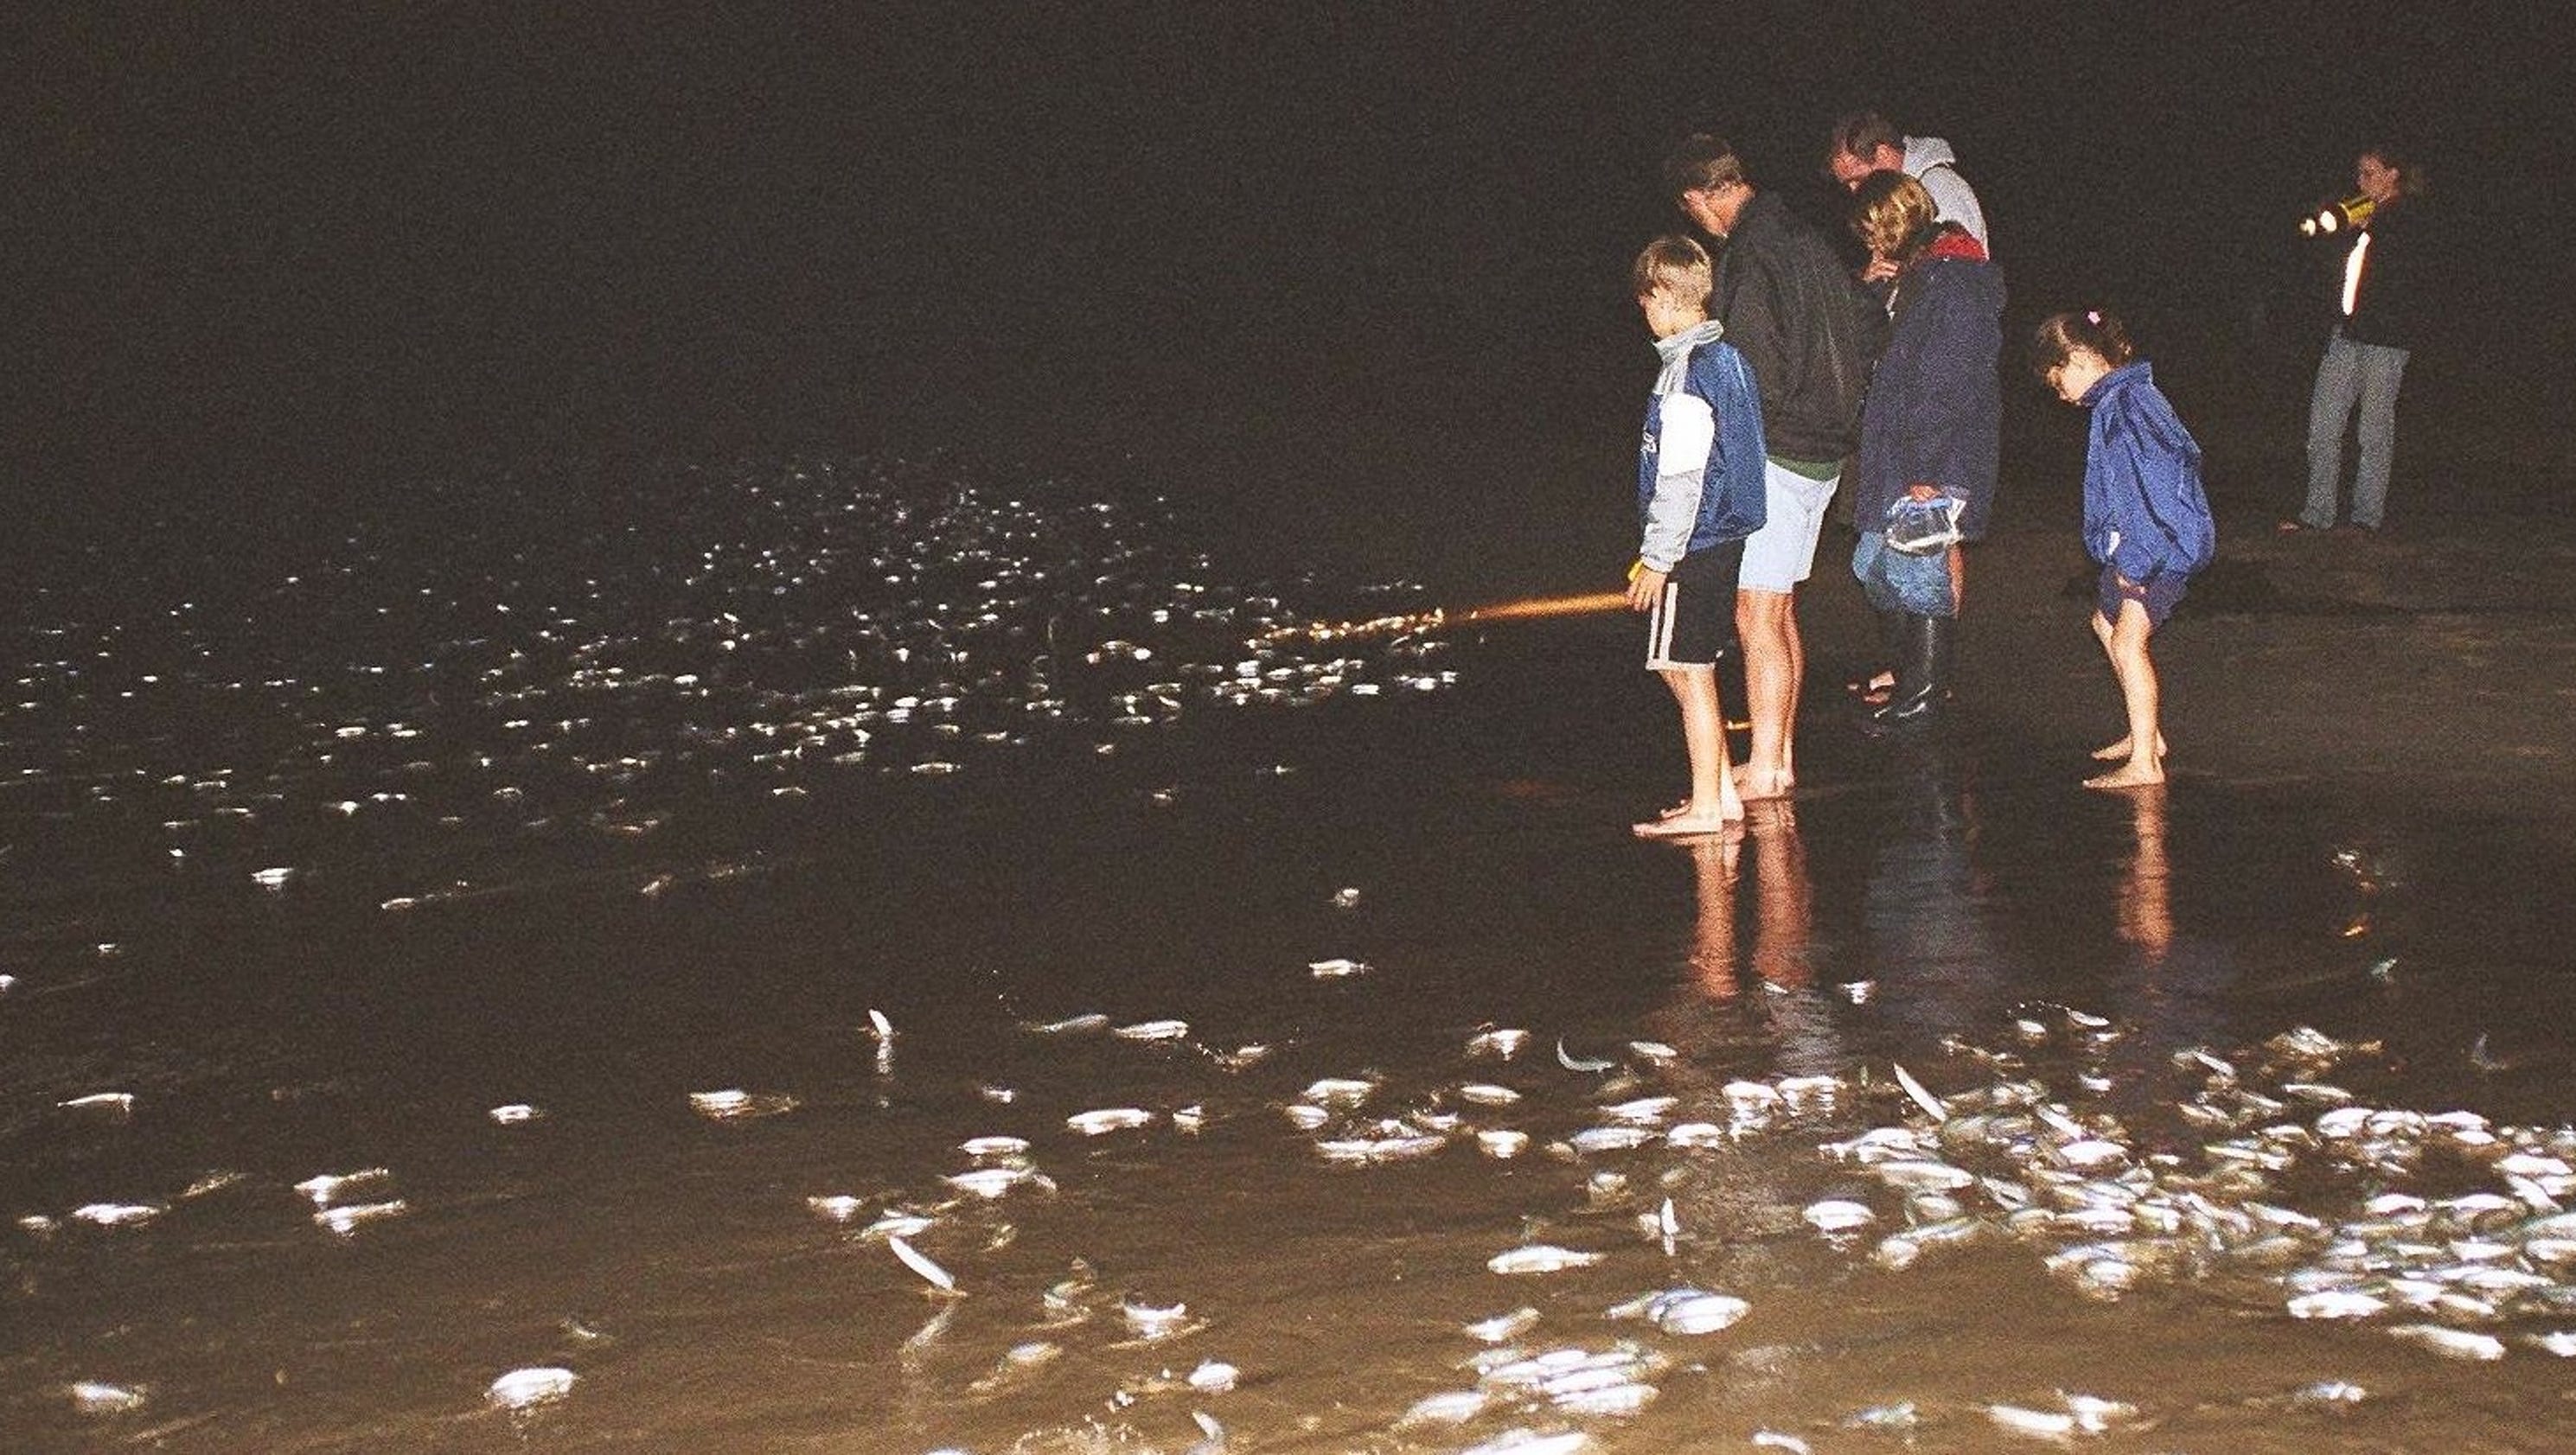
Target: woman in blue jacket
(1928, 438)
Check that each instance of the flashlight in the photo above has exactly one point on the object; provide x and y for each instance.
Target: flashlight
(2336, 217)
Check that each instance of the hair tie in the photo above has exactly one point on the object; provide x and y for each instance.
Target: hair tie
(2093, 317)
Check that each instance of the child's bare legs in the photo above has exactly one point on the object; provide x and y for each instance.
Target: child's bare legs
(2125, 643)
(1713, 802)
(2118, 751)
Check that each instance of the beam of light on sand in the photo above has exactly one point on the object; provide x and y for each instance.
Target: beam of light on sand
(1582, 604)
(1526, 609)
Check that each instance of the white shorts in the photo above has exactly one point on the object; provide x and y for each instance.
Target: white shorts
(1779, 556)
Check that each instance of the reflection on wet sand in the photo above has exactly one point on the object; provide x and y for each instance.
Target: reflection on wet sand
(1781, 951)
(1544, 1140)
(2171, 988)
(1943, 971)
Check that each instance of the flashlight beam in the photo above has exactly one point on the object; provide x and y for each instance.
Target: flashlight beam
(1525, 609)
(1541, 606)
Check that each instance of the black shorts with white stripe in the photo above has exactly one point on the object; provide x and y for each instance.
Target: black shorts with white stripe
(1693, 621)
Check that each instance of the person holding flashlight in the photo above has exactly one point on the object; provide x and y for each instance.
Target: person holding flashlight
(2377, 321)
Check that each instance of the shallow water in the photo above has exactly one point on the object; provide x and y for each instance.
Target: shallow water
(640, 896)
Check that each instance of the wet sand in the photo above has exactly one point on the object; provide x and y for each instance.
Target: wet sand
(638, 930)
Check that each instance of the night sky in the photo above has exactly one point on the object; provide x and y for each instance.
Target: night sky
(272, 261)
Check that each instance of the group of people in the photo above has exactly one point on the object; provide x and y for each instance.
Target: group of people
(1780, 365)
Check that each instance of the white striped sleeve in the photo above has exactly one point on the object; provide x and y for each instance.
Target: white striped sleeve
(1681, 472)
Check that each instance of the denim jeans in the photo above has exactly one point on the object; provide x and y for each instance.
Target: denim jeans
(2352, 374)
(1895, 581)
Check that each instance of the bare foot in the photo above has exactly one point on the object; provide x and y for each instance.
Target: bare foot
(2114, 752)
(2133, 775)
(1756, 784)
(1694, 821)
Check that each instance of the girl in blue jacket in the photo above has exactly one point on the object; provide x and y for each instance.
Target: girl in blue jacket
(2145, 517)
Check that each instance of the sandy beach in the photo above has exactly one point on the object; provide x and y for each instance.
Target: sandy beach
(542, 1026)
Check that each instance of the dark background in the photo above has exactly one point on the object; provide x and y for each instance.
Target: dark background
(1355, 273)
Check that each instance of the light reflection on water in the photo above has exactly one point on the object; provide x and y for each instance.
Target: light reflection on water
(652, 919)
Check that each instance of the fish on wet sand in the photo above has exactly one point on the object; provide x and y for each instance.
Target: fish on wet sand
(1540, 1258)
(522, 1389)
(1109, 1119)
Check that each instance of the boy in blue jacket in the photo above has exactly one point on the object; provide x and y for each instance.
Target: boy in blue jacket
(1699, 494)
(2145, 517)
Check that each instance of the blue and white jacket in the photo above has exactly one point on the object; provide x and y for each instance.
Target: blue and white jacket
(1699, 474)
(2144, 510)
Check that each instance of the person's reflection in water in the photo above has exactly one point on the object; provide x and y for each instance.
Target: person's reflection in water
(2146, 897)
(1788, 1015)
(1713, 864)
(1783, 929)
(2171, 993)
(1937, 958)
(1729, 1027)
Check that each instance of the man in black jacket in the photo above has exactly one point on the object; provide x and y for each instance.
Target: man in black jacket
(1809, 333)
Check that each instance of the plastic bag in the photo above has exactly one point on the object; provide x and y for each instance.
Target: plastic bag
(1920, 527)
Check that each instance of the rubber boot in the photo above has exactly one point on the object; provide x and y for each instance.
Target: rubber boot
(1891, 649)
(1922, 679)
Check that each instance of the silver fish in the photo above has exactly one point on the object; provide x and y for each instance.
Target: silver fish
(526, 1388)
(1158, 1030)
(1452, 1407)
(1339, 1091)
(1611, 1139)
(920, 1263)
(2450, 1343)
(1381, 1149)
(1923, 1175)
(1691, 1311)
(1502, 1328)
(988, 1182)
(733, 1104)
(1153, 1321)
(1574, 1063)
(118, 1214)
(346, 1219)
(1108, 1119)
(97, 1397)
(1933, 1105)
(1540, 1258)
(2350, 1303)
(1838, 1215)
(329, 1187)
(1644, 1109)
(1617, 1399)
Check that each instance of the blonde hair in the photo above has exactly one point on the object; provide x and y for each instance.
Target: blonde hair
(1893, 216)
(1674, 263)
